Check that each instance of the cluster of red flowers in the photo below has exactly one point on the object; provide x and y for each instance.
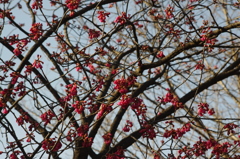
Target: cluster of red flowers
(203, 108)
(21, 119)
(160, 54)
(5, 13)
(38, 63)
(72, 4)
(107, 138)
(47, 117)
(148, 131)
(37, 4)
(169, 98)
(36, 31)
(125, 101)
(104, 109)
(122, 19)
(92, 33)
(199, 66)
(122, 85)
(15, 76)
(20, 47)
(12, 39)
(102, 16)
(71, 90)
(83, 130)
(201, 147)
(230, 128)
(207, 41)
(51, 145)
(128, 125)
(178, 132)
(119, 154)
(79, 106)
(169, 12)
(20, 89)
(71, 135)
(28, 70)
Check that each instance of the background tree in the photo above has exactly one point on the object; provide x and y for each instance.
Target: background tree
(119, 79)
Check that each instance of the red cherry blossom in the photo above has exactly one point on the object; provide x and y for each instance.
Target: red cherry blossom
(93, 34)
(79, 106)
(169, 12)
(37, 63)
(160, 54)
(102, 16)
(37, 4)
(83, 130)
(72, 4)
(230, 128)
(36, 31)
(47, 117)
(128, 125)
(148, 131)
(122, 19)
(104, 109)
(51, 145)
(107, 138)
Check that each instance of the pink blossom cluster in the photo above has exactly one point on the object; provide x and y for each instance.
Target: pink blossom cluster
(38, 63)
(122, 85)
(15, 76)
(5, 13)
(71, 90)
(82, 131)
(230, 128)
(128, 125)
(148, 131)
(37, 4)
(20, 89)
(72, 4)
(12, 39)
(176, 133)
(4, 1)
(169, 12)
(79, 106)
(160, 54)
(92, 33)
(201, 147)
(51, 145)
(71, 135)
(135, 103)
(22, 119)
(47, 117)
(107, 138)
(20, 47)
(122, 19)
(199, 66)
(104, 109)
(28, 70)
(102, 16)
(169, 98)
(36, 31)
(203, 108)
(208, 42)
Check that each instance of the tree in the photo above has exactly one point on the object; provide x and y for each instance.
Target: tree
(119, 79)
